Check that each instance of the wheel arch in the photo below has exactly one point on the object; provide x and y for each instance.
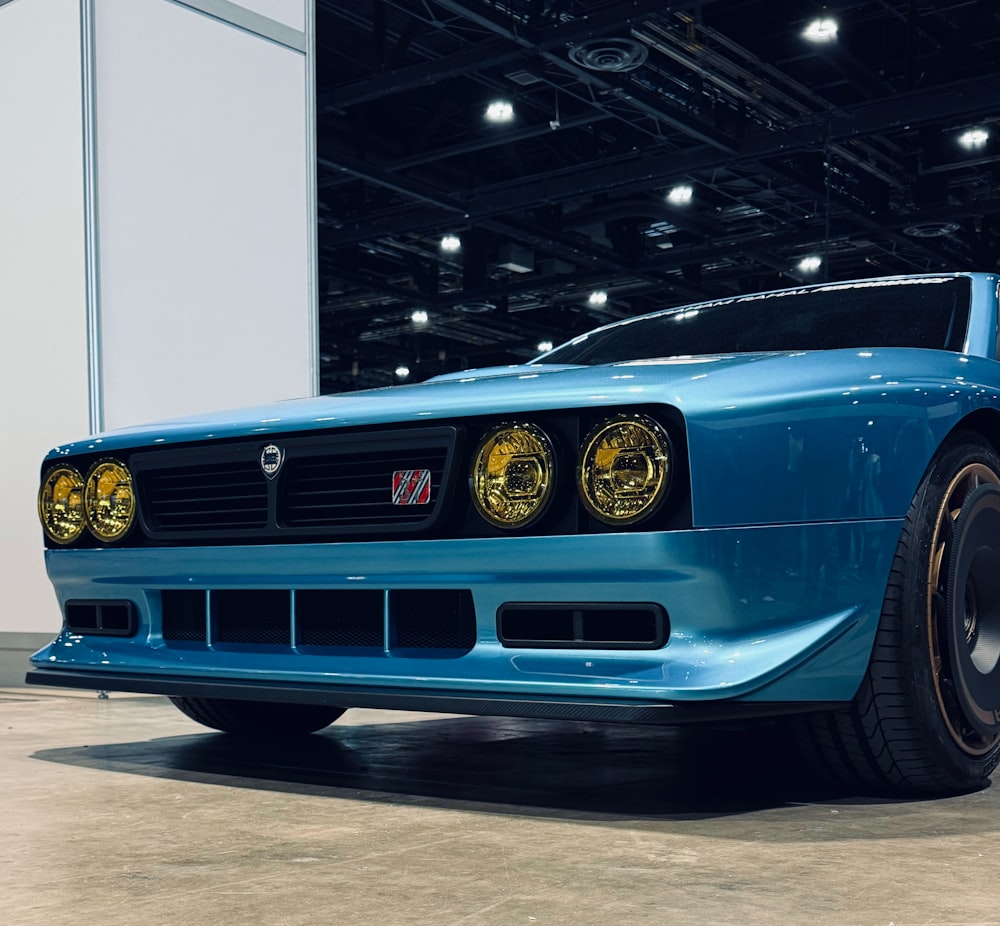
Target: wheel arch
(983, 421)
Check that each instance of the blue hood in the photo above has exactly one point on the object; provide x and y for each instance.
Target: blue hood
(699, 385)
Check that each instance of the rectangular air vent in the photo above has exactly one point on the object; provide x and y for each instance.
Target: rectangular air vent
(582, 625)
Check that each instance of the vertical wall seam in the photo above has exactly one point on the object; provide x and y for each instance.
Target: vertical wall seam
(92, 270)
(312, 201)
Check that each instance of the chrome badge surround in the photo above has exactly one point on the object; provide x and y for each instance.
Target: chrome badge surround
(271, 458)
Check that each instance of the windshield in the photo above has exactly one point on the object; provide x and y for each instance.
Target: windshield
(928, 312)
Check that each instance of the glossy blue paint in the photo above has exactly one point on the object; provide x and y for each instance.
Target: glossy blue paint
(746, 607)
(792, 457)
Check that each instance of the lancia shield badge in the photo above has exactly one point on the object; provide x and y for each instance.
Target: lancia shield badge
(411, 487)
(271, 458)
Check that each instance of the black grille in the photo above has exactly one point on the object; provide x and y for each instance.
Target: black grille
(341, 490)
(252, 616)
(223, 496)
(433, 619)
(325, 486)
(184, 615)
(350, 617)
(421, 621)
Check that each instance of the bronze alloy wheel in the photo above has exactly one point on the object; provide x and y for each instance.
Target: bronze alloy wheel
(963, 608)
(926, 717)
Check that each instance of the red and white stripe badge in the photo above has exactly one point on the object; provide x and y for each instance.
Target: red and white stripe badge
(411, 487)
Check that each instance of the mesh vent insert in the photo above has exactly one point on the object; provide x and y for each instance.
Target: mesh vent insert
(340, 617)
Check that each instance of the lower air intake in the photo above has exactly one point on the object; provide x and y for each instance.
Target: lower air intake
(256, 616)
(438, 619)
(575, 625)
(438, 623)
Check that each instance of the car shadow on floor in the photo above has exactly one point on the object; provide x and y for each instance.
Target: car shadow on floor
(544, 767)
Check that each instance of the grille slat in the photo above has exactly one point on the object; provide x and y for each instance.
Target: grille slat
(346, 490)
(211, 497)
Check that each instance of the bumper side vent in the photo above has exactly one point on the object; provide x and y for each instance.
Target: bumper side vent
(582, 625)
(113, 618)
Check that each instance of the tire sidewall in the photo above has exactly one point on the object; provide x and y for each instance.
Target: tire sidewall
(913, 614)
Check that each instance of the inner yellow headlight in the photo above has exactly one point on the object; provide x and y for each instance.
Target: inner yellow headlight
(109, 500)
(624, 469)
(60, 504)
(512, 475)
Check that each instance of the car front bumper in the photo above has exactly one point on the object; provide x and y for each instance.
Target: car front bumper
(765, 618)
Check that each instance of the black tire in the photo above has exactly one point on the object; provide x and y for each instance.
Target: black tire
(926, 719)
(258, 718)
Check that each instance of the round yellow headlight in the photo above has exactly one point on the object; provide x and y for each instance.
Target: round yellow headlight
(109, 500)
(60, 504)
(512, 475)
(624, 469)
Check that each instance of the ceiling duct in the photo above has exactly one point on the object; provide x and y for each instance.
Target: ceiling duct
(476, 307)
(609, 54)
(931, 229)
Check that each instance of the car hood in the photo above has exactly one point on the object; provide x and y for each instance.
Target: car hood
(694, 385)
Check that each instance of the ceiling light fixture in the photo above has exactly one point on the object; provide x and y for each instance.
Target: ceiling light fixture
(500, 111)
(402, 371)
(419, 317)
(544, 347)
(810, 264)
(681, 194)
(451, 243)
(821, 30)
(973, 139)
(597, 298)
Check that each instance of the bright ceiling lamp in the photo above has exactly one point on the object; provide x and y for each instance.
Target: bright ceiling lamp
(451, 243)
(823, 29)
(402, 371)
(597, 298)
(973, 139)
(680, 195)
(544, 347)
(419, 317)
(810, 264)
(500, 111)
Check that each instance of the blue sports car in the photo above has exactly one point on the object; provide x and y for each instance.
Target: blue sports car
(775, 505)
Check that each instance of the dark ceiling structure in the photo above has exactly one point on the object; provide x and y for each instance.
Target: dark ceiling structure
(657, 153)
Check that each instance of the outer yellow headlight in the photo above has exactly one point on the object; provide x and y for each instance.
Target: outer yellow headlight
(624, 469)
(109, 500)
(512, 475)
(60, 504)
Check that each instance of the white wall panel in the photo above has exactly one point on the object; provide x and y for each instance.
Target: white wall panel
(289, 12)
(203, 213)
(43, 345)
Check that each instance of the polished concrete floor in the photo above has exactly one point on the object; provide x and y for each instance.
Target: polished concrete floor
(122, 811)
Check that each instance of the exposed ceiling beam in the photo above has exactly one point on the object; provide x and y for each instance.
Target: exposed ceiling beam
(639, 173)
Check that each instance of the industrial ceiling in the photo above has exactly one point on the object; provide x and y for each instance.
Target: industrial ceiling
(655, 153)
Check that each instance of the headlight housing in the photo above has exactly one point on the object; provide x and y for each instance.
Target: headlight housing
(60, 504)
(512, 475)
(109, 500)
(624, 469)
